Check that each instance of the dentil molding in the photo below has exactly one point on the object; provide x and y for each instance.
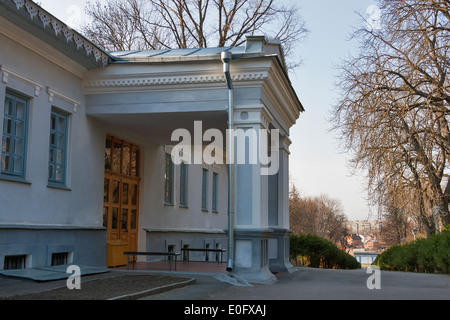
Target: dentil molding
(134, 81)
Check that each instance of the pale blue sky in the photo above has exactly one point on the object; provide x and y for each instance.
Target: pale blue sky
(316, 167)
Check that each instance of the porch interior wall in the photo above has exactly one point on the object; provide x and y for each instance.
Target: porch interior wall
(153, 213)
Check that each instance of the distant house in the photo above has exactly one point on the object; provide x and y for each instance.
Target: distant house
(357, 240)
(371, 244)
(86, 157)
(353, 240)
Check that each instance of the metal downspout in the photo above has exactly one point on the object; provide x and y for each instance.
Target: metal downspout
(226, 59)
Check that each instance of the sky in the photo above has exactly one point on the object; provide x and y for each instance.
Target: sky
(317, 165)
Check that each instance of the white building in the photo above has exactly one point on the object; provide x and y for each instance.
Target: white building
(87, 141)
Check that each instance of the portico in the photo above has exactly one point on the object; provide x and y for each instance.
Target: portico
(151, 94)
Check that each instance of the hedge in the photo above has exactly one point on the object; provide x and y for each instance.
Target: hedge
(431, 255)
(317, 252)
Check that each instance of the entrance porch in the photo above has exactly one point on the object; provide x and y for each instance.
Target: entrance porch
(145, 101)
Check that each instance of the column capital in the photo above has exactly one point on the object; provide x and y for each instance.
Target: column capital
(285, 142)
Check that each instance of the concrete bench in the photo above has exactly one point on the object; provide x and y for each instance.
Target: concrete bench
(171, 256)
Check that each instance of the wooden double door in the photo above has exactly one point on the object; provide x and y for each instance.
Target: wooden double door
(121, 192)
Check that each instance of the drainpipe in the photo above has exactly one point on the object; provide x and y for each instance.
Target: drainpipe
(226, 59)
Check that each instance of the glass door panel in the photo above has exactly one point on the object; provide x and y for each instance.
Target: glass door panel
(121, 192)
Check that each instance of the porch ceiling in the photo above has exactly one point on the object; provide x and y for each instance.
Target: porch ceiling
(158, 127)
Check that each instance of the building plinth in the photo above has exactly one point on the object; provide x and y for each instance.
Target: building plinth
(279, 245)
(252, 255)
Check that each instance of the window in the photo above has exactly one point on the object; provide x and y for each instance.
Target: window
(168, 180)
(60, 258)
(15, 262)
(58, 148)
(183, 184)
(121, 157)
(204, 189)
(214, 191)
(14, 138)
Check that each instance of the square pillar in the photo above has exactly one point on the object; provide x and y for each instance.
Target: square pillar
(251, 232)
(279, 242)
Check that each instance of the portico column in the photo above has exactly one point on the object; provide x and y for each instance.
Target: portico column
(251, 231)
(279, 242)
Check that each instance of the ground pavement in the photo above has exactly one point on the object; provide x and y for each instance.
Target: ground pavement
(303, 284)
(322, 284)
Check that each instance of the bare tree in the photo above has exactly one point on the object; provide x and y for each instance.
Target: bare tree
(394, 108)
(322, 216)
(395, 226)
(110, 19)
(162, 24)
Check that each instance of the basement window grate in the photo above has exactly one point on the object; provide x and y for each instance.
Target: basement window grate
(15, 262)
(59, 258)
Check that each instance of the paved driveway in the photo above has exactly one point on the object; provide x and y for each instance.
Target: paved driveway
(321, 284)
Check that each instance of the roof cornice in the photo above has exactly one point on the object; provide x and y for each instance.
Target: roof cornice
(38, 17)
(158, 80)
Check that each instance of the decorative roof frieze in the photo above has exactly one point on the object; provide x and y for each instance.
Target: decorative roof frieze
(127, 81)
(82, 44)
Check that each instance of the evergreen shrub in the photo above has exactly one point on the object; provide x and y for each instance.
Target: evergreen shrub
(431, 255)
(314, 251)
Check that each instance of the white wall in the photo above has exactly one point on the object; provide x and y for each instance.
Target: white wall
(34, 202)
